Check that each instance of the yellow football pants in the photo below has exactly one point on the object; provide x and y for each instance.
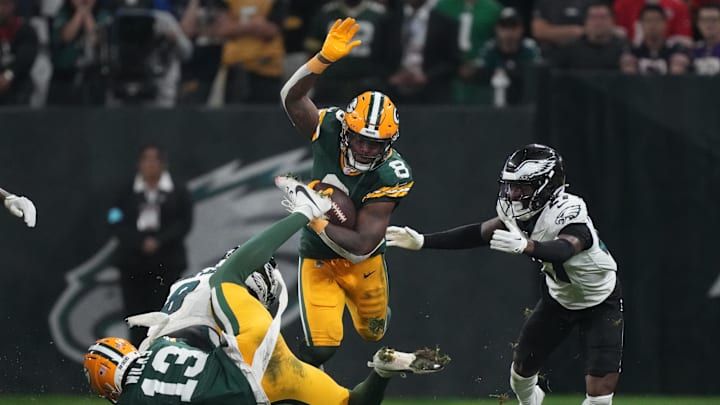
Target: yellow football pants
(286, 377)
(327, 286)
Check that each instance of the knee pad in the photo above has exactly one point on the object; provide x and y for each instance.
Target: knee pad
(599, 400)
(316, 355)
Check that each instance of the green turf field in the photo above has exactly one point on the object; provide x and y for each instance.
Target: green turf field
(550, 400)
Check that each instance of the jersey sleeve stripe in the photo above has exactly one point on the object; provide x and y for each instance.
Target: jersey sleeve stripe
(223, 313)
(398, 191)
(316, 134)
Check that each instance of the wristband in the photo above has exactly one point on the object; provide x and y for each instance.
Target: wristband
(318, 63)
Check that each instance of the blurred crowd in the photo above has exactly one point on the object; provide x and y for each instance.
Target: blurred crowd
(218, 52)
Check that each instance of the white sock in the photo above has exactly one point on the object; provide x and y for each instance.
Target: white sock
(601, 400)
(525, 388)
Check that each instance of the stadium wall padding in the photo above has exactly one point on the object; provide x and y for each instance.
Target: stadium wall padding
(645, 153)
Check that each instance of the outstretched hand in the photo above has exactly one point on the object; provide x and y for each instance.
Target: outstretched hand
(337, 43)
(22, 207)
(404, 237)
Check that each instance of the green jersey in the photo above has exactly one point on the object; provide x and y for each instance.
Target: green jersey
(366, 59)
(477, 21)
(172, 372)
(391, 181)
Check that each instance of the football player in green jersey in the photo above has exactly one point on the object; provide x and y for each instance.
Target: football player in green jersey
(214, 342)
(352, 150)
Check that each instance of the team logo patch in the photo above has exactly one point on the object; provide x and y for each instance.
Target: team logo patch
(568, 214)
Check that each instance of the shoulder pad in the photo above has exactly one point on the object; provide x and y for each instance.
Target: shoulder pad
(566, 209)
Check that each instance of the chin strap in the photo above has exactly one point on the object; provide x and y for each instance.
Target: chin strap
(122, 367)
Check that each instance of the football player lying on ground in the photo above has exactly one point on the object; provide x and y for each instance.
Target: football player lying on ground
(19, 206)
(536, 217)
(352, 149)
(185, 359)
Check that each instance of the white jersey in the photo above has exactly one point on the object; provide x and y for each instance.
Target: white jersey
(587, 278)
(188, 304)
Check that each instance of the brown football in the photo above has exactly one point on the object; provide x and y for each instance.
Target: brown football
(343, 211)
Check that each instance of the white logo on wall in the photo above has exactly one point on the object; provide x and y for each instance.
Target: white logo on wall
(232, 203)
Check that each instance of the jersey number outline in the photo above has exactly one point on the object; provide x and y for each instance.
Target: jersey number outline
(558, 273)
(401, 171)
(174, 301)
(161, 363)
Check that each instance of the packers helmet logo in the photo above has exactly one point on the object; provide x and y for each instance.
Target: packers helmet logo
(352, 105)
(374, 115)
(91, 304)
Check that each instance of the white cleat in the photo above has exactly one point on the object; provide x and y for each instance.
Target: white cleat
(389, 362)
(539, 395)
(301, 198)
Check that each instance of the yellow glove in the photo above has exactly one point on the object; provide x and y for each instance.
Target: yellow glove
(318, 225)
(337, 43)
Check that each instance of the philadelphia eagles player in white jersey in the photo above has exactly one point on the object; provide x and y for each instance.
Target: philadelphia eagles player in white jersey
(537, 218)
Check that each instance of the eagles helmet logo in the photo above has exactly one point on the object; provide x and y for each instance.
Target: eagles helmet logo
(91, 304)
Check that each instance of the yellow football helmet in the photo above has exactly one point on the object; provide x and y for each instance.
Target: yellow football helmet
(105, 363)
(371, 125)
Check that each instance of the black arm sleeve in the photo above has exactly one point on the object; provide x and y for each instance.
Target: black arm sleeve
(580, 231)
(560, 250)
(462, 237)
(553, 251)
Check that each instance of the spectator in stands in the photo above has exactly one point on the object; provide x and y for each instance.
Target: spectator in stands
(655, 55)
(524, 8)
(509, 52)
(368, 65)
(76, 33)
(707, 52)
(476, 19)
(18, 50)
(295, 30)
(253, 51)
(151, 218)
(679, 28)
(147, 49)
(427, 42)
(200, 23)
(599, 48)
(558, 22)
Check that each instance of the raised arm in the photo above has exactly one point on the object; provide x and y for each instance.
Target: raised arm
(300, 109)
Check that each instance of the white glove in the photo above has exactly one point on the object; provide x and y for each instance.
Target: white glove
(21, 207)
(263, 284)
(512, 241)
(405, 237)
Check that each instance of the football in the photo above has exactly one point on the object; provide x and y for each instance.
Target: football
(343, 211)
